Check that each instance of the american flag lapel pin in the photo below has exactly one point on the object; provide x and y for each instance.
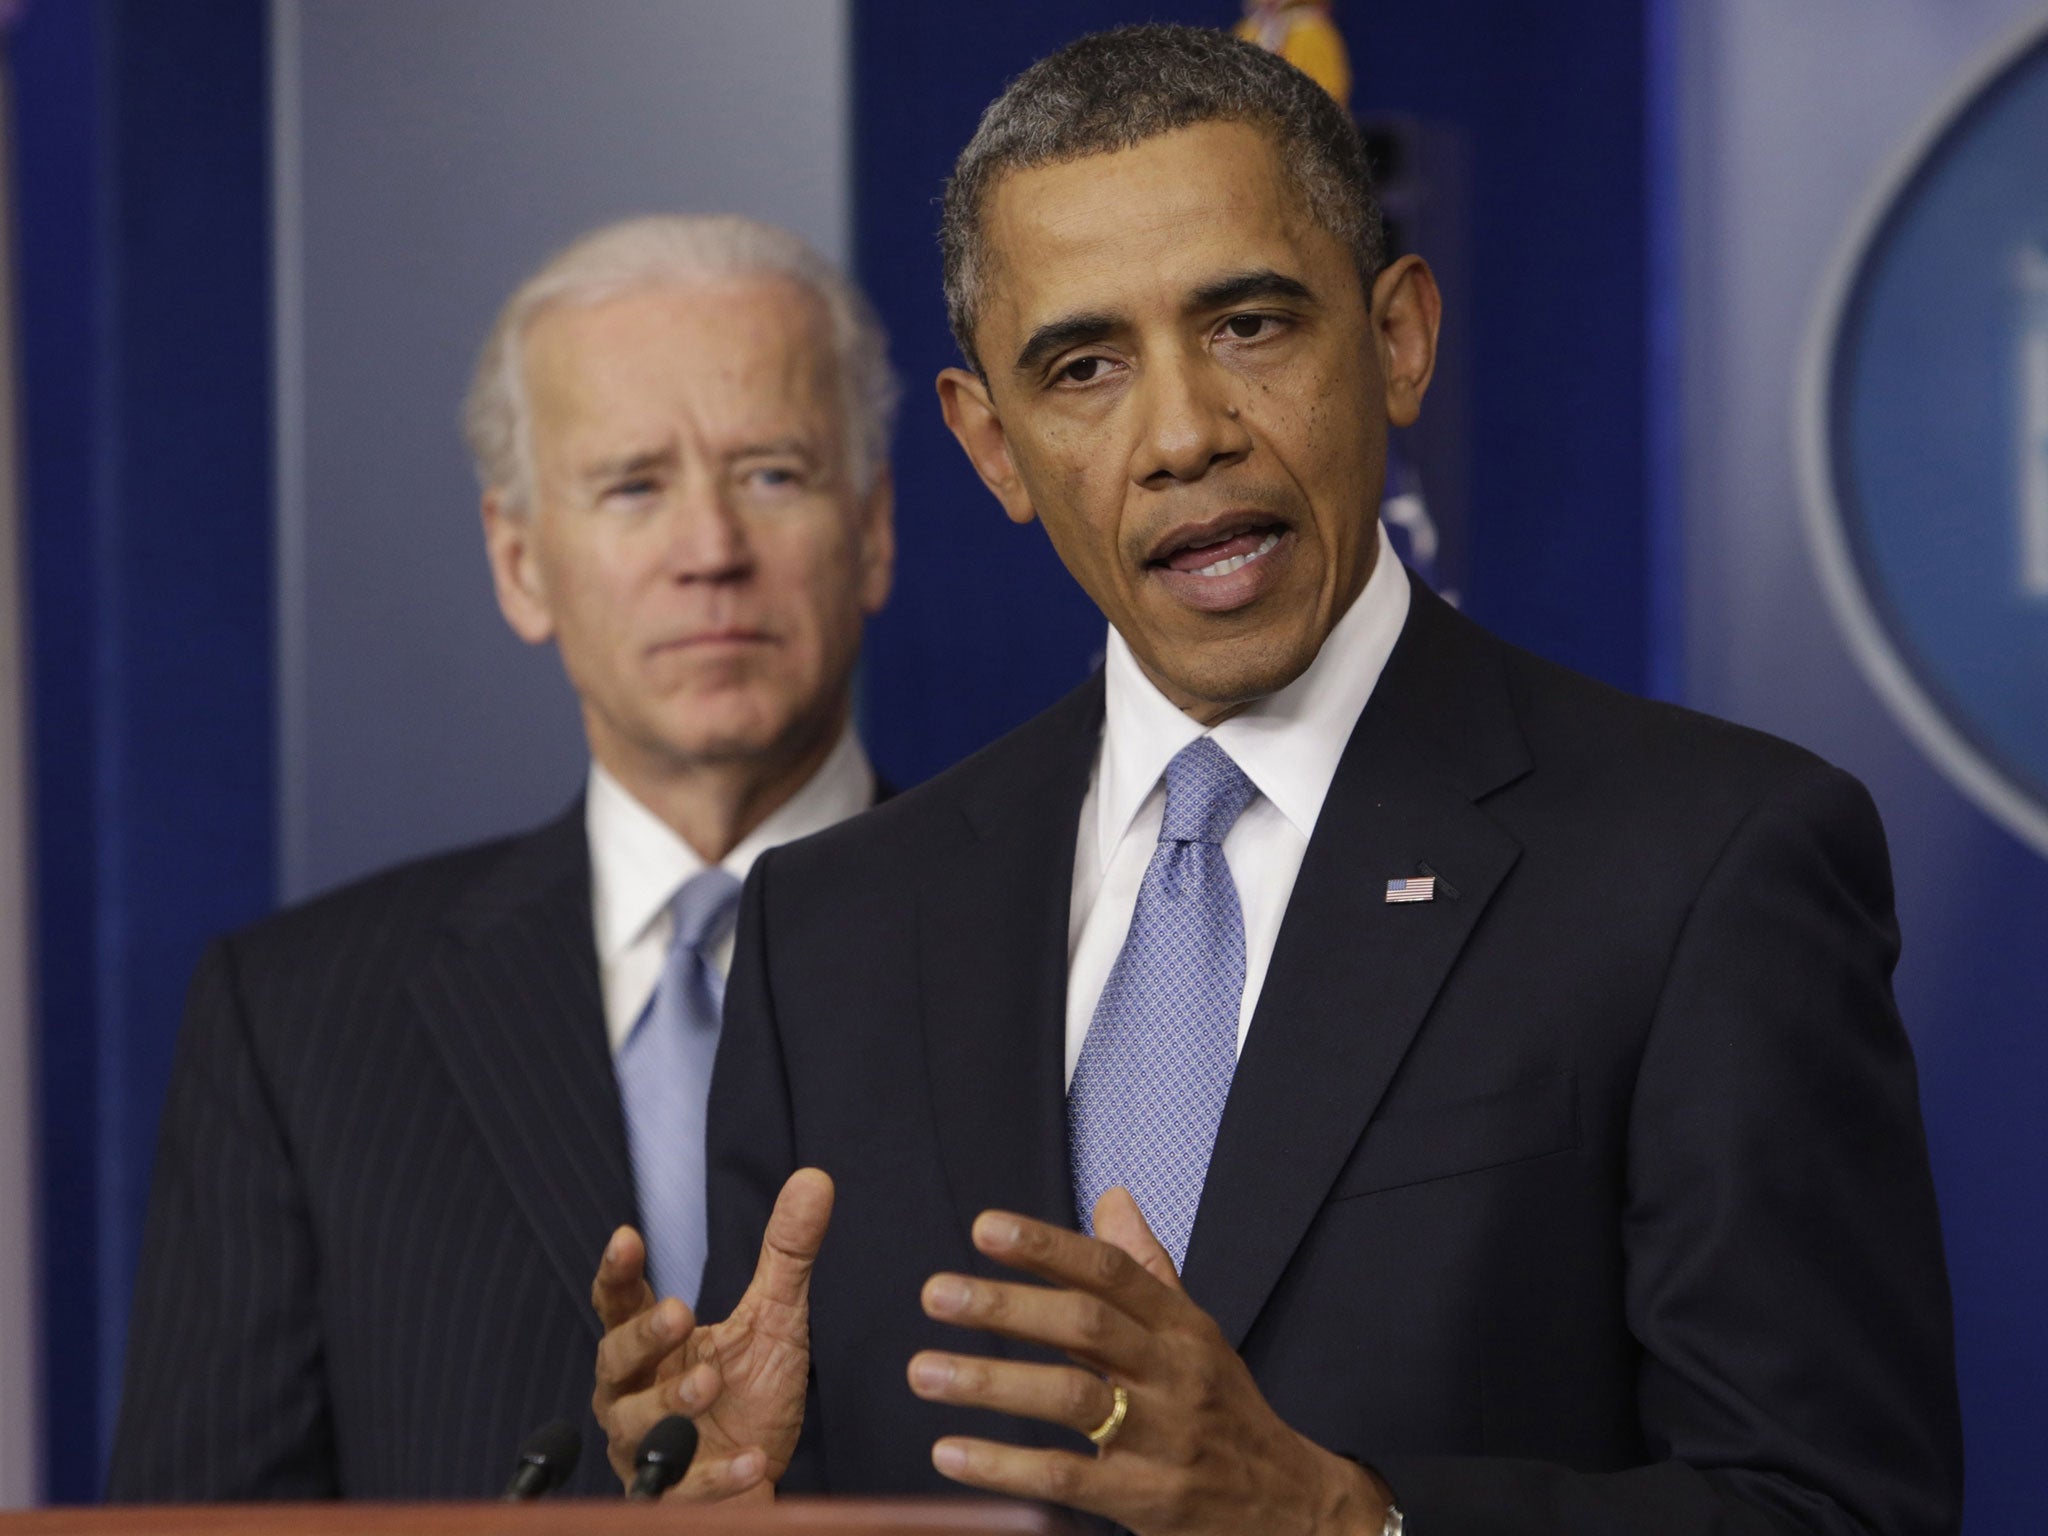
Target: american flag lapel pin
(1415, 888)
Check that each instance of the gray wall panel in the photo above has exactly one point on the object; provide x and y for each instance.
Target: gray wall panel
(20, 1356)
(429, 153)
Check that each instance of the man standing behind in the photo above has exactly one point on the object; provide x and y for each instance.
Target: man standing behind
(406, 1117)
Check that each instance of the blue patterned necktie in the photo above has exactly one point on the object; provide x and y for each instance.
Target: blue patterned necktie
(1155, 1069)
(664, 1072)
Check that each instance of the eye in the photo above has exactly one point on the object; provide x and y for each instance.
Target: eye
(1082, 370)
(771, 479)
(1250, 327)
(631, 490)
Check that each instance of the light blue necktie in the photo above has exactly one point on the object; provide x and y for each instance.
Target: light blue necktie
(1155, 1069)
(664, 1074)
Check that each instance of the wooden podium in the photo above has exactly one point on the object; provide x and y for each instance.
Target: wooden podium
(552, 1517)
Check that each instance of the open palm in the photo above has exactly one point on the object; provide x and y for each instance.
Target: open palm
(762, 1351)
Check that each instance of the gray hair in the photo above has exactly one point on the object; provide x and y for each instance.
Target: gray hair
(1114, 90)
(676, 248)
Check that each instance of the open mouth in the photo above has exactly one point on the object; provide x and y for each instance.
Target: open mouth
(1236, 561)
(1222, 564)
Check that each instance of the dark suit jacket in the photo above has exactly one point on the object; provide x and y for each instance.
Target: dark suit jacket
(391, 1156)
(1590, 1197)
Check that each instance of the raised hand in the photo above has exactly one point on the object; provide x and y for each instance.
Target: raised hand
(762, 1352)
(644, 1372)
(1198, 1449)
(742, 1380)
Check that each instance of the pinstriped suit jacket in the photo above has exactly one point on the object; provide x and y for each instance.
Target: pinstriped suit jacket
(392, 1153)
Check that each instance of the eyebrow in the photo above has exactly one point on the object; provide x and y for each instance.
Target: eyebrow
(1244, 287)
(1056, 336)
(795, 447)
(627, 465)
(630, 464)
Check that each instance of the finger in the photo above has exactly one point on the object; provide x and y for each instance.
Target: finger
(629, 1355)
(675, 1362)
(713, 1479)
(1058, 1394)
(796, 1231)
(1111, 1487)
(1082, 1263)
(620, 1290)
(1119, 1222)
(693, 1392)
(627, 1418)
(697, 1347)
(1086, 1327)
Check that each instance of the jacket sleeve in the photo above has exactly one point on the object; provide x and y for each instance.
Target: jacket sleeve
(1784, 1271)
(225, 1392)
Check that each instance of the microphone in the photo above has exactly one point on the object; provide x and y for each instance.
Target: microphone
(546, 1459)
(663, 1458)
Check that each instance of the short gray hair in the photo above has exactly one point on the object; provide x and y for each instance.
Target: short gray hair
(649, 253)
(1114, 90)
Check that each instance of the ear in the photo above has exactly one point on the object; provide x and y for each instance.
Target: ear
(1406, 310)
(510, 545)
(971, 415)
(878, 543)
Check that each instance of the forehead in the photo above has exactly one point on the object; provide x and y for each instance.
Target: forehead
(729, 353)
(1145, 224)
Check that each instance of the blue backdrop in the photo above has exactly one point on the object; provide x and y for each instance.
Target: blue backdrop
(144, 225)
(144, 290)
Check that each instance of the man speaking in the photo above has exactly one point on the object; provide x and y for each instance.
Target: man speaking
(406, 1118)
(1483, 1089)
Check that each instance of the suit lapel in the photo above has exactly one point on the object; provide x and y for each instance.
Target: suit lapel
(993, 964)
(1352, 977)
(511, 998)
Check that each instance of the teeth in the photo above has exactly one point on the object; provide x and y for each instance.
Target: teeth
(1239, 562)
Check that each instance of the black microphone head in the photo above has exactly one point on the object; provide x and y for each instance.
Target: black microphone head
(555, 1445)
(546, 1459)
(664, 1456)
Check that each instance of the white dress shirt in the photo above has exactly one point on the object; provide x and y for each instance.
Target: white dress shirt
(1287, 744)
(637, 863)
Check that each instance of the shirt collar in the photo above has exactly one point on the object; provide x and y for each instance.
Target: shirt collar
(637, 861)
(1287, 743)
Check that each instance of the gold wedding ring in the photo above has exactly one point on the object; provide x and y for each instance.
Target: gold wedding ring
(1106, 1431)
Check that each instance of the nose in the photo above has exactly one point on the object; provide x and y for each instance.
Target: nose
(1190, 421)
(705, 536)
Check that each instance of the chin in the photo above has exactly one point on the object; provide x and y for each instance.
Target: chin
(731, 744)
(722, 735)
(734, 729)
(1234, 678)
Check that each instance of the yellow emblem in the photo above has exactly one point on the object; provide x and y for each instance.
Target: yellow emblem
(1303, 33)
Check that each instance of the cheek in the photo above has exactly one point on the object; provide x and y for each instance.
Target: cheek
(1072, 453)
(1074, 473)
(1086, 515)
(601, 594)
(596, 598)
(813, 580)
(1337, 454)
(1083, 515)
